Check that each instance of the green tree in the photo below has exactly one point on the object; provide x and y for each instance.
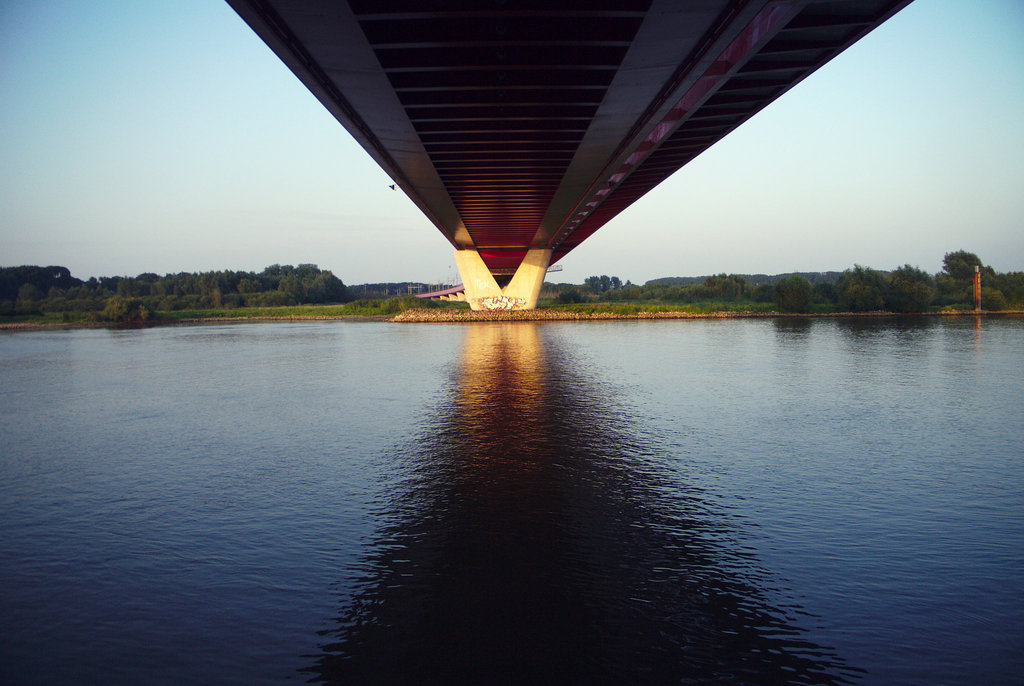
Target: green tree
(325, 287)
(29, 292)
(954, 283)
(764, 293)
(249, 285)
(292, 286)
(862, 289)
(993, 299)
(602, 284)
(570, 295)
(793, 294)
(910, 290)
(723, 286)
(1011, 284)
(125, 310)
(43, 278)
(960, 264)
(29, 297)
(826, 292)
(631, 291)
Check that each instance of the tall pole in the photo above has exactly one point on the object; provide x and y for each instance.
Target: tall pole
(977, 288)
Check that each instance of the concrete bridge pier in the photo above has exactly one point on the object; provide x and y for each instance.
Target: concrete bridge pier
(483, 291)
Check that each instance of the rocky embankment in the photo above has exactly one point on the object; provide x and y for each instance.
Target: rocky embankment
(425, 315)
(460, 315)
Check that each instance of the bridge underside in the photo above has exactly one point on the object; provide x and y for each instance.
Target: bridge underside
(520, 127)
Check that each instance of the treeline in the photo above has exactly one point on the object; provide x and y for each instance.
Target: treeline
(31, 290)
(393, 289)
(858, 289)
(749, 279)
(39, 290)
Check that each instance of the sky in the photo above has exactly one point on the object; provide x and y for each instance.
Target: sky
(164, 136)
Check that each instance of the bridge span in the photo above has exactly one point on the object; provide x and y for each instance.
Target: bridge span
(520, 127)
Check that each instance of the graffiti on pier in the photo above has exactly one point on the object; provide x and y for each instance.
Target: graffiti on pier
(501, 302)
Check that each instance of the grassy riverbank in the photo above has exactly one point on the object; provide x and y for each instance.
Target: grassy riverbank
(357, 309)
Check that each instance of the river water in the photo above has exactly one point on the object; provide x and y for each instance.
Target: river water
(712, 501)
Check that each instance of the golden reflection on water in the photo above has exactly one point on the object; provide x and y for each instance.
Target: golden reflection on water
(501, 387)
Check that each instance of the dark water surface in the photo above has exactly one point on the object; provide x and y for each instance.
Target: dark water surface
(757, 501)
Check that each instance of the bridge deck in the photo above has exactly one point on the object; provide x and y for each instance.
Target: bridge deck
(526, 124)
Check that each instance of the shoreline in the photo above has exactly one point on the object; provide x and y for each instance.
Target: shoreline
(191, 321)
(460, 316)
(418, 316)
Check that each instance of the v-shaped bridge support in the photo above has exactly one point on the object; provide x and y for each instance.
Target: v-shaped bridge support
(484, 293)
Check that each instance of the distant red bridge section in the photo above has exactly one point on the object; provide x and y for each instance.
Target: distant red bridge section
(521, 127)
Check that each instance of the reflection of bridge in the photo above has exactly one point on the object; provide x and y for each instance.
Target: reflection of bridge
(537, 536)
(521, 127)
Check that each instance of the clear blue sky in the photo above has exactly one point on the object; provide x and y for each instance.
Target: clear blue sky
(164, 136)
